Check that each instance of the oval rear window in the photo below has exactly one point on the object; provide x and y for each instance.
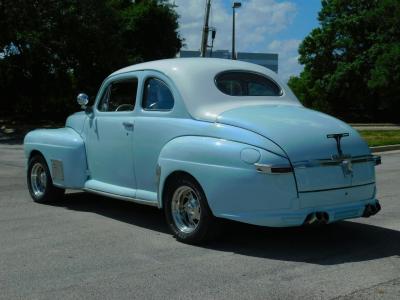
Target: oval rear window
(239, 83)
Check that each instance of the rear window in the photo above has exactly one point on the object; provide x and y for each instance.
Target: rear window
(238, 83)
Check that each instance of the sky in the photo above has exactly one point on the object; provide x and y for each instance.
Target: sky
(268, 26)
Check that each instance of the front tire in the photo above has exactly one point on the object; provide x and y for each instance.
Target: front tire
(39, 181)
(187, 212)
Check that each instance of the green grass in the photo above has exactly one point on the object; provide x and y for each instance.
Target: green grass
(381, 137)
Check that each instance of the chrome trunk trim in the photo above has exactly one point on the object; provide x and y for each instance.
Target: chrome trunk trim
(336, 161)
(337, 188)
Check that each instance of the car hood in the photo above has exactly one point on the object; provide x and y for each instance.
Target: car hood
(300, 132)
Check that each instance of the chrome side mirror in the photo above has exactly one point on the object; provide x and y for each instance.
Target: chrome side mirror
(82, 100)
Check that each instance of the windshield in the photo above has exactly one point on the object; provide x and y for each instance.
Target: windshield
(240, 83)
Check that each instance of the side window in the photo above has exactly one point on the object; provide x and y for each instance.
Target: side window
(119, 96)
(157, 95)
(231, 87)
(266, 88)
(243, 83)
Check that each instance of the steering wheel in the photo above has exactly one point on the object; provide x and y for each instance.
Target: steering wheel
(124, 107)
(153, 105)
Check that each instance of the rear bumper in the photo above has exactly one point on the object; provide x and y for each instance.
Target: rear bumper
(297, 217)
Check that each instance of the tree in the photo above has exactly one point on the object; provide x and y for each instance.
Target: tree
(143, 23)
(351, 62)
(52, 49)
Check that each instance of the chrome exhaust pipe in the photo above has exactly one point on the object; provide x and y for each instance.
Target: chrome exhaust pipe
(311, 219)
(325, 218)
(317, 218)
(378, 207)
(368, 210)
(371, 209)
(322, 217)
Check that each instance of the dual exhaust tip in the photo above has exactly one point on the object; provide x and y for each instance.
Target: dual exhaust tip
(371, 209)
(320, 218)
(317, 218)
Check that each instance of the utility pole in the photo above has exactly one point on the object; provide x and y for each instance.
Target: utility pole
(204, 36)
(234, 6)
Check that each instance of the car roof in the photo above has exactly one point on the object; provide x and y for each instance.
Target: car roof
(194, 79)
(197, 64)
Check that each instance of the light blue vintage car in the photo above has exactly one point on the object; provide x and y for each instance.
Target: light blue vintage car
(204, 139)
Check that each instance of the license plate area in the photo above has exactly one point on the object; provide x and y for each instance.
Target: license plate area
(321, 178)
(336, 196)
(363, 172)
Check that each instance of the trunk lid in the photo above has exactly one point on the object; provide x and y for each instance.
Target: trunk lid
(303, 134)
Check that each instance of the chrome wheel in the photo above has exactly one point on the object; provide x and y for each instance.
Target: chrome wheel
(38, 180)
(185, 208)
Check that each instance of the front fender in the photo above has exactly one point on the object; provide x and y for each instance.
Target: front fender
(64, 151)
(230, 184)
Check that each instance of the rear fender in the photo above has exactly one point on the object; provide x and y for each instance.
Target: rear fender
(230, 184)
(64, 152)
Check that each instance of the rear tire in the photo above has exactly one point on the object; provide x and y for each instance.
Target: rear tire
(39, 181)
(187, 212)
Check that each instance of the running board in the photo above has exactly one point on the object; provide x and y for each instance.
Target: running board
(120, 197)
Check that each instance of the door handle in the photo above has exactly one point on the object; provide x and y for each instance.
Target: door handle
(128, 125)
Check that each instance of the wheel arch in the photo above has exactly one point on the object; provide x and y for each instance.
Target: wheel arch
(33, 153)
(201, 158)
(169, 179)
(41, 188)
(230, 184)
(64, 151)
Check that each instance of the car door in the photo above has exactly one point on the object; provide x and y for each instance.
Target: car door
(109, 137)
(155, 126)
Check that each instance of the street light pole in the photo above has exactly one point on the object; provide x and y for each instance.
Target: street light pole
(234, 6)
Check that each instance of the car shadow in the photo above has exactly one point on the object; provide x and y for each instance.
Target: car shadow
(341, 242)
(135, 214)
(337, 243)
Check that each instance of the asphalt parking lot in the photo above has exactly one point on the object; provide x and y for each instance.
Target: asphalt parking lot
(87, 247)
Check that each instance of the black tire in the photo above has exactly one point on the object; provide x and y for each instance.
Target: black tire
(47, 192)
(207, 226)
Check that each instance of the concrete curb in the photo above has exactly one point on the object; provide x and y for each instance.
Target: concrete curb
(385, 148)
